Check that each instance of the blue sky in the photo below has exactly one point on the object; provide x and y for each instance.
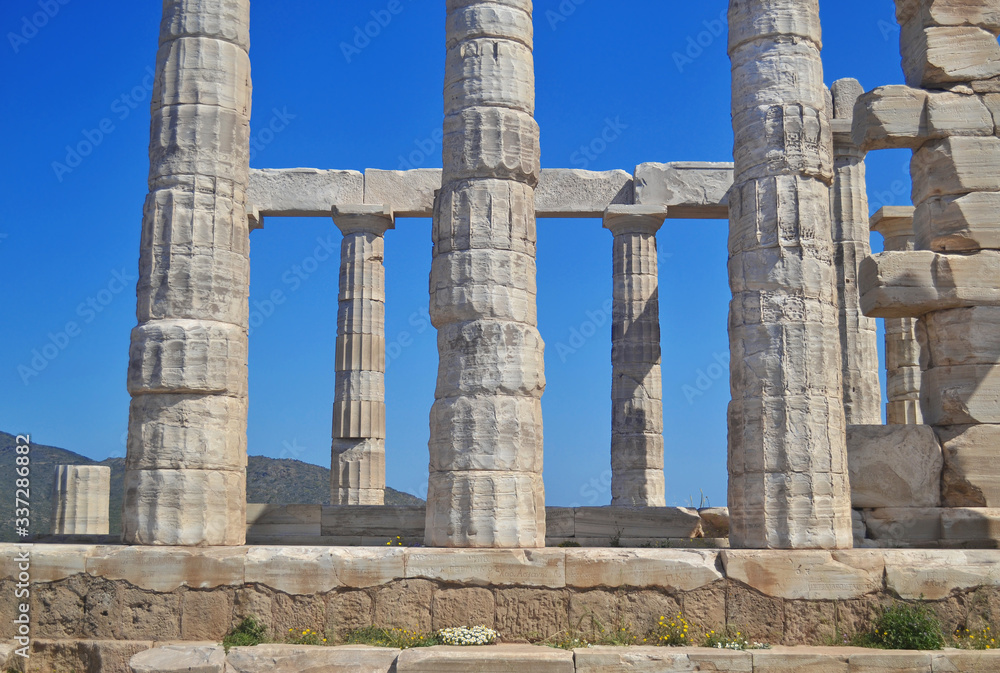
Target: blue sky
(76, 73)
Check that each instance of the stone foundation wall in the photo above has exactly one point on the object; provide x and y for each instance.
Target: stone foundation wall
(163, 594)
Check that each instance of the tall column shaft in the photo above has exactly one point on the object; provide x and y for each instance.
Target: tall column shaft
(637, 385)
(905, 338)
(485, 486)
(185, 480)
(858, 333)
(788, 485)
(357, 473)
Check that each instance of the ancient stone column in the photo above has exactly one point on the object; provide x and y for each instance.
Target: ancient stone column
(185, 480)
(858, 333)
(905, 338)
(788, 483)
(485, 486)
(636, 383)
(80, 500)
(357, 473)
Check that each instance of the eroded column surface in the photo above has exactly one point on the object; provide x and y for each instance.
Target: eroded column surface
(80, 500)
(788, 483)
(905, 338)
(948, 116)
(357, 475)
(636, 382)
(858, 333)
(185, 480)
(485, 485)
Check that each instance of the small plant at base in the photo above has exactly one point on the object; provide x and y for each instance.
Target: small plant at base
(248, 632)
(978, 639)
(392, 637)
(397, 541)
(463, 635)
(670, 632)
(728, 640)
(904, 627)
(568, 543)
(305, 637)
(567, 640)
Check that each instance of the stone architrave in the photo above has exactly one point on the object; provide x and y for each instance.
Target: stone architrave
(485, 487)
(357, 475)
(905, 338)
(185, 480)
(849, 199)
(81, 495)
(636, 382)
(788, 481)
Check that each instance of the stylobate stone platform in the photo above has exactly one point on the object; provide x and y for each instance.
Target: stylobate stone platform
(111, 601)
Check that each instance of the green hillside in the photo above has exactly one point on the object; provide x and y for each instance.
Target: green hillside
(269, 480)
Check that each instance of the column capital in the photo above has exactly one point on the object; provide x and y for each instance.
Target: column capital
(894, 222)
(368, 219)
(634, 219)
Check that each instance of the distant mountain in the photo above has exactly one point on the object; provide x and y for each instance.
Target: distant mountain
(269, 480)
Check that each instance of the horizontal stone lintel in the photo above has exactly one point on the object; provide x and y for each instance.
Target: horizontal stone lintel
(690, 190)
(300, 570)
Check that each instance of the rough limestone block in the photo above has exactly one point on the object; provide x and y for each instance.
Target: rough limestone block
(714, 521)
(164, 570)
(890, 117)
(641, 659)
(957, 661)
(80, 500)
(188, 356)
(185, 507)
(180, 659)
(444, 659)
(284, 519)
(779, 660)
(408, 193)
(194, 220)
(560, 522)
(689, 189)
(374, 521)
(936, 56)
(187, 432)
(971, 477)
(806, 575)
(490, 357)
(488, 567)
(910, 284)
(800, 135)
(970, 524)
(961, 394)
(983, 13)
(486, 214)
(903, 662)
(225, 20)
(637, 522)
(669, 569)
(303, 192)
(965, 223)
(930, 575)
(904, 525)
(954, 166)
(471, 284)
(950, 114)
(297, 658)
(894, 466)
(964, 336)
(570, 192)
(208, 285)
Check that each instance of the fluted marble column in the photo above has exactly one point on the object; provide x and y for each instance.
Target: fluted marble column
(905, 338)
(788, 485)
(485, 486)
(858, 333)
(357, 474)
(185, 480)
(80, 500)
(637, 385)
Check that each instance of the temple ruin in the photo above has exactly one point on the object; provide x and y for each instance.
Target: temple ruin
(829, 509)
